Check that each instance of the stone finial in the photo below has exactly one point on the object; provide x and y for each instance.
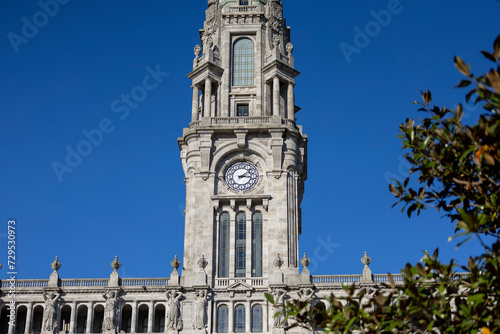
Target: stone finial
(202, 262)
(305, 262)
(289, 48)
(278, 262)
(116, 264)
(197, 50)
(425, 257)
(175, 263)
(56, 265)
(365, 260)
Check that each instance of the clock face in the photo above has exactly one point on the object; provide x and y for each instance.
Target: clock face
(242, 176)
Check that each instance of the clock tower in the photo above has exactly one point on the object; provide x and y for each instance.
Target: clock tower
(243, 155)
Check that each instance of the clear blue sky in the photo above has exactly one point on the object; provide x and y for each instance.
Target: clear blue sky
(126, 198)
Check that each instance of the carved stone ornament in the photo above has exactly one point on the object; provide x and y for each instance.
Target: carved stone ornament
(365, 260)
(426, 257)
(56, 265)
(202, 262)
(116, 264)
(305, 262)
(50, 313)
(175, 263)
(278, 261)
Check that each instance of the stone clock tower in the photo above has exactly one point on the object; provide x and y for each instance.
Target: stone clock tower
(243, 155)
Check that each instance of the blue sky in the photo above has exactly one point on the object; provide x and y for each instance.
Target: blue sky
(127, 196)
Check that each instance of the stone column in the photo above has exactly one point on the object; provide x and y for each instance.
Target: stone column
(276, 96)
(231, 317)
(29, 320)
(133, 322)
(196, 100)
(248, 319)
(90, 318)
(72, 322)
(291, 102)
(208, 98)
(265, 318)
(151, 318)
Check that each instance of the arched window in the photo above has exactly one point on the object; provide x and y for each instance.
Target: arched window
(222, 319)
(243, 69)
(257, 245)
(257, 319)
(241, 250)
(224, 222)
(239, 319)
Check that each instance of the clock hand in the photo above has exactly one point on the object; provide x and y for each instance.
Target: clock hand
(244, 175)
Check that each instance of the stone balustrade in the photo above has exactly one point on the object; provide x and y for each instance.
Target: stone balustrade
(245, 9)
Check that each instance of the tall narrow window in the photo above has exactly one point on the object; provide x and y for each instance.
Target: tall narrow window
(257, 245)
(222, 319)
(243, 2)
(224, 221)
(239, 319)
(243, 70)
(240, 252)
(257, 319)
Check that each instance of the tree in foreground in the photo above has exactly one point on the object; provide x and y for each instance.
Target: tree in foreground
(456, 171)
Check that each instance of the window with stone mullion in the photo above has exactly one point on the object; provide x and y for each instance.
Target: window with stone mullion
(257, 245)
(243, 63)
(239, 316)
(224, 223)
(240, 249)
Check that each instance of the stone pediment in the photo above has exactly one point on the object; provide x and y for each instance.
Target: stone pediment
(240, 287)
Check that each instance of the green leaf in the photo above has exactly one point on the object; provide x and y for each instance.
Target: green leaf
(461, 66)
(269, 298)
(496, 48)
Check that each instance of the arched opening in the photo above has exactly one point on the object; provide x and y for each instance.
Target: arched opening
(37, 319)
(126, 324)
(222, 319)
(98, 319)
(257, 324)
(142, 319)
(224, 222)
(257, 244)
(239, 319)
(64, 323)
(21, 320)
(4, 320)
(159, 324)
(243, 63)
(241, 247)
(81, 319)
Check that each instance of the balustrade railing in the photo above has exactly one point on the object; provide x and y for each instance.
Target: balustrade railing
(225, 282)
(335, 279)
(32, 283)
(83, 283)
(159, 282)
(241, 120)
(398, 278)
(243, 9)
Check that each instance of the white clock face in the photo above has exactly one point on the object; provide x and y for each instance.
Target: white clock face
(242, 176)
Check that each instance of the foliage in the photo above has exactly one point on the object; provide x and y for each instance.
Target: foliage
(456, 168)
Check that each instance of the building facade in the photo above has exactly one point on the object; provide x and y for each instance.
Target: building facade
(245, 164)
